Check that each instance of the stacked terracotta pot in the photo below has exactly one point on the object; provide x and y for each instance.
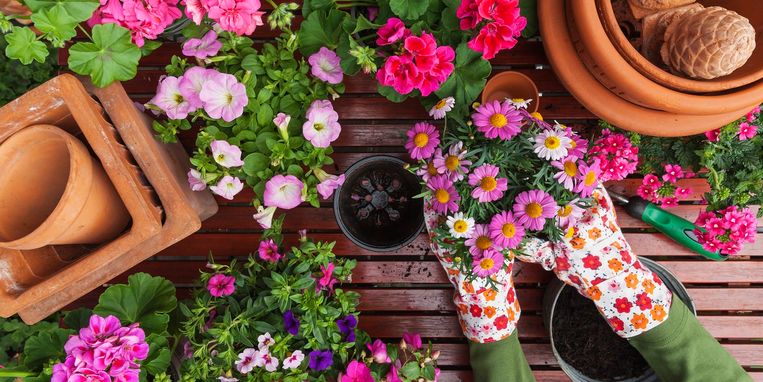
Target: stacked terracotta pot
(695, 72)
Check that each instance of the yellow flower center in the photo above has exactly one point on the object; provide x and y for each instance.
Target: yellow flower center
(534, 210)
(460, 226)
(431, 169)
(517, 100)
(487, 263)
(420, 140)
(564, 211)
(570, 168)
(318, 126)
(442, 196)
(509, 230)
(537, 115)
(441, 104)
(488, 183)
(452, 162)
(590, 179)
(573, 144)
(552, 142)
(484, 242)
(498, 120)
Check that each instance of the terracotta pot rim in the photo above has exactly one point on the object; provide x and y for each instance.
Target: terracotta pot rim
(75, 193)
(638, 87)
(510, 73)
(597, 98)
(663, 77)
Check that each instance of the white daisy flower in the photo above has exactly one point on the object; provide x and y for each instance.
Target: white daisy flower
(552, 144)
(441, 108)
(519, 103)
(460, 227)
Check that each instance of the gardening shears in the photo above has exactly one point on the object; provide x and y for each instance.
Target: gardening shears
(675, 227)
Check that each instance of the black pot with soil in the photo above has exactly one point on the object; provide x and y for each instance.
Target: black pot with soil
(375, 207)
(585, 346)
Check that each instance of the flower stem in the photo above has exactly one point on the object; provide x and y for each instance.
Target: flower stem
(85, 32)
(16, 373)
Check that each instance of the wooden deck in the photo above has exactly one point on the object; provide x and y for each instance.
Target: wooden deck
(406, 290)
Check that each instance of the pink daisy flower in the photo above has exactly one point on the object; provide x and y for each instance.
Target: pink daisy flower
(428, 170)
(532, 208)
(221, 285)
(453, 164)
(445, 195)
(505, 231)
(488, 187)
(568, 215)
(588, 179)
(489, 264)
(423, 139)
(747, 131)
(568, 173)
(498, 120)
(480, 242)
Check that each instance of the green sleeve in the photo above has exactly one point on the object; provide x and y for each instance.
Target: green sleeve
(500, 361)
(680, 349)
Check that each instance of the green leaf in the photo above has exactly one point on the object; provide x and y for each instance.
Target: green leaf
(529, 9)
(145, 300)
(149, 47)
(363, 25)
(23, 46)
(158, 359)
(391, 93)
(254, 163)
(110, 57)
(79, 10)
(78, 319)
(411, 370)
(321, 29)
(409, 10)
(45, 347)
(55, 23)
(468, 79)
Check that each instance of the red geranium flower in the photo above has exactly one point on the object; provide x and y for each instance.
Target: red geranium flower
(493, 38)
(468, 14)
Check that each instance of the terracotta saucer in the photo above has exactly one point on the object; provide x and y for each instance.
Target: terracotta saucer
(617, 74)
(752, 71)
(511, 85)
(599, 100)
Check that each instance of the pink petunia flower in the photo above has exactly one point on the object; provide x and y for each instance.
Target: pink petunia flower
(481, 241)
(228, 187)
(327, 280)
(283, 192)
(329, 184)
(393, 31)
(268, 251)
(532, 208)
(170, 99)
(241, 17)
(357, 372)
(192, 82)
(400, 73)
(747, 131)
(264, 216)
(195, 180)
(204, 47)
(379, 352)
(489, 264)
(221, 285)
(325, 66)
(226, 154)
(223, 96)
(568, 171)
(423, 139)
(505, 231)
(446, 197)
(453, 164)
(588, 179)
(281, 121)
(498, 120)
(488, 186)
(246, 360)
(294, 360)
(322, 125)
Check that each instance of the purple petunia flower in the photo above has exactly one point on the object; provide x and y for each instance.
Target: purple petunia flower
(290, 323)
(347, 327)
(321, 359)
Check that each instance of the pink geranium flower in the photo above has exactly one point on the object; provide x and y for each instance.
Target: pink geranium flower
(283, 192)
(145, 19)
(192, 82)
(488, 186)
(442, 67)
(204, 47)
(468, 14)
(504, 11)
(223, 96)
(378, 351)
(325, 66)
(422, 49)
(480, 242)
(393, 31)
(241, 17)
(445, 195)
(505, 231)
(532, 208)
(747, 131)
(322, 125)
(357, 372)
(489, 264)
(413, 340)
(268, 251)
(498, 120)
(423, 139)
(228, 187)
(221, 285)
(195, 10)
(170, 99)
(493, 38)
(195, 180)
(400, 73)
(226, 154)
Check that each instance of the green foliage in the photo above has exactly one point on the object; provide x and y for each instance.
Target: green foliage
(466, 82)
(14, 333)
(110, 57)
(45, 347)
(24, 46)
(15, 79)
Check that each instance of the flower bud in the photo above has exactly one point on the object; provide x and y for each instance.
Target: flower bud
(435, 355)
(403, 345)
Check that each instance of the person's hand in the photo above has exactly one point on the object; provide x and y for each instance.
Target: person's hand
(596, 259)
(487, 313)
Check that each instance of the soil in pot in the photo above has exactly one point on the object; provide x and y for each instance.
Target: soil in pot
(585, 341)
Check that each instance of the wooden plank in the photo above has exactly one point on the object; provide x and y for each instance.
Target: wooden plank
(709, 272)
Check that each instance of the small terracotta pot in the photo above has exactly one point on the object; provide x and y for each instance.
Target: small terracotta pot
(53, 192)
(511, 85)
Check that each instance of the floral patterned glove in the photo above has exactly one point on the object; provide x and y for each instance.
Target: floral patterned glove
(596, 259)
(487, 313)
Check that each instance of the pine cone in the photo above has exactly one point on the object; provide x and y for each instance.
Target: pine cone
(708, 44)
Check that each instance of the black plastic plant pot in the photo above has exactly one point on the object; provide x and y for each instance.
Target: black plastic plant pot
(375, 207)
(562, 305)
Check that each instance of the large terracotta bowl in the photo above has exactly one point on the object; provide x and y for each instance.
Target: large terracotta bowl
(752, 71)
(617, 73)
(599, 100)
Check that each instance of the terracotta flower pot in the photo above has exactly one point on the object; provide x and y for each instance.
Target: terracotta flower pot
(53, 192)
(751, 71)
(601, 101)
(615, 72)
(511, 85)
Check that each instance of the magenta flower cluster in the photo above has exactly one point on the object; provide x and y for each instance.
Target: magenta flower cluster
(418, 63)
(665, 190)
(241, 17)
(499, 21)
(616, 155)
(726, 230)
(104, 351)
(146, 19)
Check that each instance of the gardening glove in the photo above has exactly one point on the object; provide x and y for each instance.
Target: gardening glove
(595, 259)
(486, 314)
